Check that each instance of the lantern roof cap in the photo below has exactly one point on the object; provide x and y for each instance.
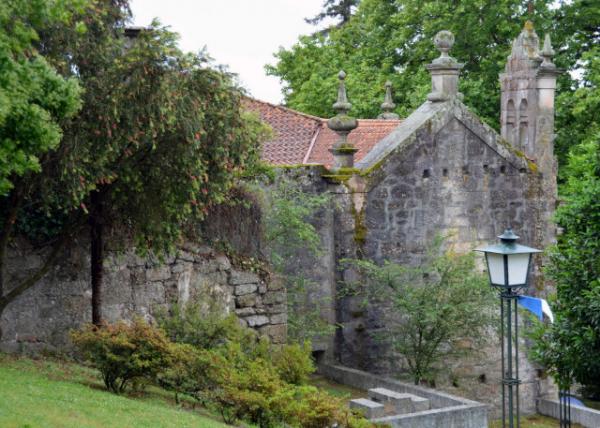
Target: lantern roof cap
(504, 248)
(508, 245)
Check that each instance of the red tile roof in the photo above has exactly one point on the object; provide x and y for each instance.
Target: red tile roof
(293, 132)
(300, 138)
(368, 133)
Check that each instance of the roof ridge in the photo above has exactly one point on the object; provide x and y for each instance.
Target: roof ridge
(287, 109)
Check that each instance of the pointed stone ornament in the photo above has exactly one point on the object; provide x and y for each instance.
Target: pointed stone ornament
(388, 104)
(342, 106)
(547, 53)
(444, 70)
(342, 124)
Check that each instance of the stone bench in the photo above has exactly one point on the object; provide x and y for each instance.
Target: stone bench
(401, 402)
(371, 409)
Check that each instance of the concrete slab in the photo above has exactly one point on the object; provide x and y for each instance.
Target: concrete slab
(400, 402)
(371, 409)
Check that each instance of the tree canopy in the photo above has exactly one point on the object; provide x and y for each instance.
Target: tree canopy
(159, 138)
(392, 40)
(34, 98)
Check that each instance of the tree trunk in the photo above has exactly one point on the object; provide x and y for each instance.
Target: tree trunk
(97, 256)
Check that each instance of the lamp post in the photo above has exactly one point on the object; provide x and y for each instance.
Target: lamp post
(508, 265)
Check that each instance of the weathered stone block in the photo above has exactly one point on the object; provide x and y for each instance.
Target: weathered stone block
(277, 333)
(257, 320)
(239, 278)
(223, 261)
(245, 289)
(245, 300)
(242, 312)
(158, 273)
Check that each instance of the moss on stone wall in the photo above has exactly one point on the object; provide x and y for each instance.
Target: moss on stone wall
(360, 228)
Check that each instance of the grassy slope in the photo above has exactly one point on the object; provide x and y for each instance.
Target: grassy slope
(55, 394)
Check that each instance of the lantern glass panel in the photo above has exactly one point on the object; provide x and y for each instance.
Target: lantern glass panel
(518, 265)
(495, 264)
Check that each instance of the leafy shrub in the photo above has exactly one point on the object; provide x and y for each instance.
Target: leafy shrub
(248, 390)
(192, 371)
(221, 364)
(123, 352)
(309, 407)
(294, 363)
(203, 326)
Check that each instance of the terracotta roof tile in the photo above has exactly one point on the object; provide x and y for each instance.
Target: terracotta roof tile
(293, 132)
(301, 138)
(368, 133)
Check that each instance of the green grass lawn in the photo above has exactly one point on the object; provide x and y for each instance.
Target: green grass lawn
(534, 421)
(336, 389)
(48, 393)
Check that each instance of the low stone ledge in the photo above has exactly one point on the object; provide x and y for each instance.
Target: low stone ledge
(589, 418)
(467, 416)
(448, 411)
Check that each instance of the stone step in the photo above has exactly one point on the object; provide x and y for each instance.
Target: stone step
(402, 402)
(371, 409)
(420, 404)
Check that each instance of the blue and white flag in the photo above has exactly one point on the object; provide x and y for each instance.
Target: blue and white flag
(539, 307)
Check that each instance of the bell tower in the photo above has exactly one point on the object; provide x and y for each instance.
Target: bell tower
(527, 103)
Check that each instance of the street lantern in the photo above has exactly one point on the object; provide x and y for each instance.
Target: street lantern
(508, 266)
(508, 262)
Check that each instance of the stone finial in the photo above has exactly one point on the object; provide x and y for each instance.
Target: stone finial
(388, 104)
(443, 41)
(444, 70)
(342, 124)
(342, 106)
(547, 53)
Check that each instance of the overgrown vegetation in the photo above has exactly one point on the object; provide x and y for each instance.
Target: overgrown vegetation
(291, 237)
(159, 138)
(569, 348)
(226, 367)
(442, 307)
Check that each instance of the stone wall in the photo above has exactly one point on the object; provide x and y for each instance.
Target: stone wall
(447, 181)
(42, 317)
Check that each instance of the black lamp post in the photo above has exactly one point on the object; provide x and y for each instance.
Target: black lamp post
(508, 265)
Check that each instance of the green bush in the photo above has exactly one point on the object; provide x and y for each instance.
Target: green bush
(309, 407)
(203, 327)
(222, 365)
(192, 371)
(123, 352)
(247, 391)
(294, 363)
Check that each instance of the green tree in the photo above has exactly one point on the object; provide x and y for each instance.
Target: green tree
(34, 101)
(570, 347)
(33, 97)
(159, 138)
(342, 9)
(392, 40)
(442, 303)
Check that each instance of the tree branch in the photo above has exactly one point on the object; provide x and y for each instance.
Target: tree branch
(29, 282)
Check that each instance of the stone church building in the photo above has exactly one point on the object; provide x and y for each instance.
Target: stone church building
(396, 184)
(400, 182)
